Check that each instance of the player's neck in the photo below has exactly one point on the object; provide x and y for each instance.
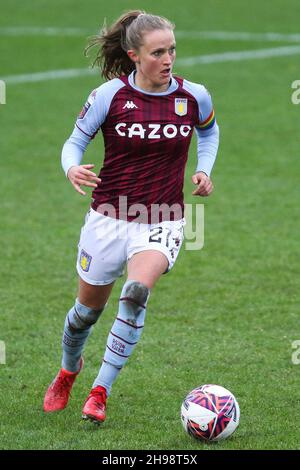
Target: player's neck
(148, 86)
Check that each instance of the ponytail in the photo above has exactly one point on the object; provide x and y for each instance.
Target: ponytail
(126, 33)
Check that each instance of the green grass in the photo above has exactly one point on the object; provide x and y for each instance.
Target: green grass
(227, 314)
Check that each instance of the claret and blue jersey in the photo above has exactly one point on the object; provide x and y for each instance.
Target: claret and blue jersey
(146, 137)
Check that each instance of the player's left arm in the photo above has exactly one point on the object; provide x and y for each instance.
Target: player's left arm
(207, 131)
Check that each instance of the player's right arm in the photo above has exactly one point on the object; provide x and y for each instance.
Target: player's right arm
(81, 175)
(89, 121)
(86, 127)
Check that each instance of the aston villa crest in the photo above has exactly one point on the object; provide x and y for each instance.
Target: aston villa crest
(85, 261)
(181, 106)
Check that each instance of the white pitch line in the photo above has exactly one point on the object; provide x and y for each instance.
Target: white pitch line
(236, 56)
(42, 31)
(215, 35)
(239, 36)
(48, 75)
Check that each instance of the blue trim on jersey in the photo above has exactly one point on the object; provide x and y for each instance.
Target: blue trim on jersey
(173, 87)
(99, 103)
(203, 98)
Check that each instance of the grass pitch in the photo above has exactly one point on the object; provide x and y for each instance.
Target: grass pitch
(227, 314)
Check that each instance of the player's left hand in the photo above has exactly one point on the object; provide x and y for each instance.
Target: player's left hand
(205, 186)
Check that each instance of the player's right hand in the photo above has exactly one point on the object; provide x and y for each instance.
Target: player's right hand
(81, 175)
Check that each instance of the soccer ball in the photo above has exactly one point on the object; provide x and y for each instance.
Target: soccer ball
(210, 413)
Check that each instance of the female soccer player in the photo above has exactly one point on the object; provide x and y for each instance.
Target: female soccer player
(147, 117)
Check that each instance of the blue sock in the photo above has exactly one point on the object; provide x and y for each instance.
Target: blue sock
(125, 332)
(78, 326)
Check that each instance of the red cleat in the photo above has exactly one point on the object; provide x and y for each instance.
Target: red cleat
(58, 393)
(95, 405)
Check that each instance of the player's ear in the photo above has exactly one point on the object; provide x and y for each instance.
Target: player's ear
(132, 54)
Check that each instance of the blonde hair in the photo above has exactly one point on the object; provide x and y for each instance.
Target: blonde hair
(125, 33)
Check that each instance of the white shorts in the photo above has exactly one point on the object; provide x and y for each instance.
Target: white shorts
(106, 244)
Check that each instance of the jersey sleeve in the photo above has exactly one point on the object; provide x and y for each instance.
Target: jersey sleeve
(92, 114)
(207, 129)
(207, 133)
(74, 149)
(96, 108)
(88, 122)
(207, 149)
(207, 118)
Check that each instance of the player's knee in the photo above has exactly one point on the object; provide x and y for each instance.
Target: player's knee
(82, 317)
(135, 295)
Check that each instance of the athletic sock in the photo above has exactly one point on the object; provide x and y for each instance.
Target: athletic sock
(125, 333)
(78, 326)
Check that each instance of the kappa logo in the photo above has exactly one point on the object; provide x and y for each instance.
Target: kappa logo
(130, 105)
